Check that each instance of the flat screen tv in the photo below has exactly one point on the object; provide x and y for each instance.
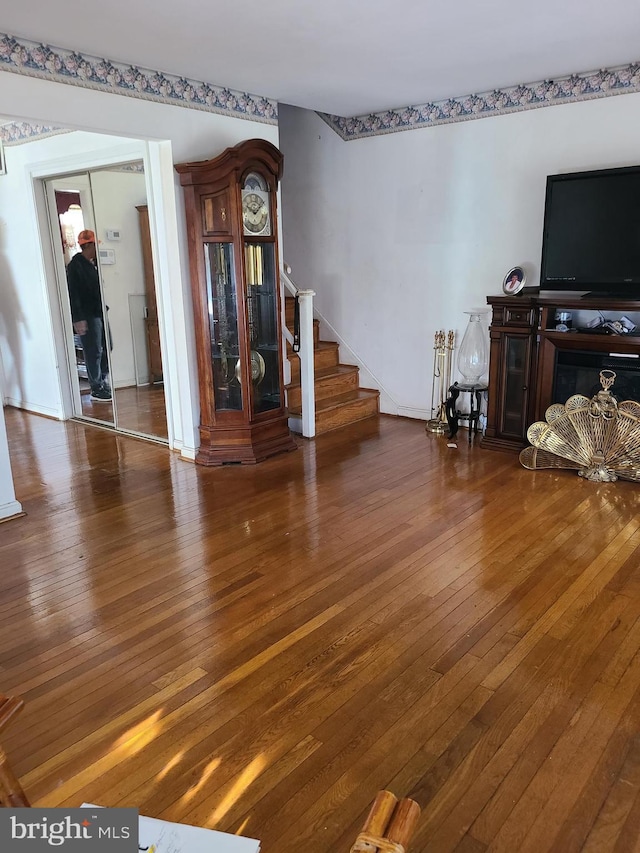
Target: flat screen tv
(591, 238)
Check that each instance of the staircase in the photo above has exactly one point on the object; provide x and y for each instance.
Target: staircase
(339, 398)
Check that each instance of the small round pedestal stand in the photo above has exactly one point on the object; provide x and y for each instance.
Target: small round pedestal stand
(453, 415)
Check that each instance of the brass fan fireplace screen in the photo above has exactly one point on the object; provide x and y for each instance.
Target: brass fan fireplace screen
(597, 437)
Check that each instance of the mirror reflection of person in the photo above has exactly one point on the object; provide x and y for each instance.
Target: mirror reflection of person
(513, 283)
(87, 316)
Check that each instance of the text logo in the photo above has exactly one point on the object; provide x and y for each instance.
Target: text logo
(70, 830)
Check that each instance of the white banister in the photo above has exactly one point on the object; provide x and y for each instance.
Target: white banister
(305, 353)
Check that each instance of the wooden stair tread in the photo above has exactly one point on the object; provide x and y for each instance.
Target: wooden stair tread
(318, 346)
(328, 372)
(340, 400)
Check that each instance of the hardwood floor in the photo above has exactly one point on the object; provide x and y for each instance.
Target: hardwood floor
(140, 409)
(260, 649)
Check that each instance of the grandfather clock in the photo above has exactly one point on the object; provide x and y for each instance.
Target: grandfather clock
(233, 248)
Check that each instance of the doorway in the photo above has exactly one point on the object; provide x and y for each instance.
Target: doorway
(111, 202)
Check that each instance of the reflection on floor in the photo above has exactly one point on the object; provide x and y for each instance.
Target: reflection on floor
(139, 409)
(142, 409)
(101, 411)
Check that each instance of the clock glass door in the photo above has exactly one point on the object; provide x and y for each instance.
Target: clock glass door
(223, 326)
(262, 319)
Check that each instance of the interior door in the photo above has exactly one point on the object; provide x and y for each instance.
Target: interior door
(71, 212)
(107, 201)
(126, 269)
(152, 327)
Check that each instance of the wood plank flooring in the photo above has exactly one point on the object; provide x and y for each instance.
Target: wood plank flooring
(140, 409)
(261, 649)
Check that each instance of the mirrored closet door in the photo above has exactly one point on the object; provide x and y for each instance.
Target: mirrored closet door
(107, 298)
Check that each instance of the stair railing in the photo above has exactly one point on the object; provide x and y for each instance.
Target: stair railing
(301, 340)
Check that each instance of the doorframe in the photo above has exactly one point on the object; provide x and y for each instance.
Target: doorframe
(181, 394)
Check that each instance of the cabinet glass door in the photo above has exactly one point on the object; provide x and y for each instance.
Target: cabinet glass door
(223, 326)
(515, 389)
(262, 322)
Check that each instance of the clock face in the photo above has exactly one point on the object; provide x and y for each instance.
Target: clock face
(255, 213)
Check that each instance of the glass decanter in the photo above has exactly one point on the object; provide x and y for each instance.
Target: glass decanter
(473, 355)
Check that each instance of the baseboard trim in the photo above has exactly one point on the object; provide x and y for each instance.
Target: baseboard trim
(45, 411)
(11, 510)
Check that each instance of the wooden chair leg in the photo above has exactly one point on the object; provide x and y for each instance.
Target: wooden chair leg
(389, 825)
(11, 793)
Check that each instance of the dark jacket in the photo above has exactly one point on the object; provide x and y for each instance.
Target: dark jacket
(84, 289)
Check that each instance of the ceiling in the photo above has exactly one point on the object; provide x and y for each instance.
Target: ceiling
(344, 57)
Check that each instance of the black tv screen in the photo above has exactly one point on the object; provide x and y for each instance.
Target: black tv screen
(591, 238)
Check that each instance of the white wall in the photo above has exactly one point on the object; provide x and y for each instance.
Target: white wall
(26, 339)
(114, 123)
(34, 368)
(400, 234)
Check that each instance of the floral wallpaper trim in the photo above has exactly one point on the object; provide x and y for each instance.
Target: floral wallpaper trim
(132, 168)
(18, 132)
(577, 87)
(22, 56)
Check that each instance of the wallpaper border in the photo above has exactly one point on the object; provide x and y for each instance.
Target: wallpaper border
(19, 132)
(33, 59)
(620, 80)
(22, 56)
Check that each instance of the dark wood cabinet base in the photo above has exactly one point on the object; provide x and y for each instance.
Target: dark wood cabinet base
(492, 443)
(524, 348)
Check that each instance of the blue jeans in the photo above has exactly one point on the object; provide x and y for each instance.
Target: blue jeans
(94, 348)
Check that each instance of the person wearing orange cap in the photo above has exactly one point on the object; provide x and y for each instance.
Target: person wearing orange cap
(87, 315)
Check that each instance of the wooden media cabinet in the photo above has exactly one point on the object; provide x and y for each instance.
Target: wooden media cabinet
(532, 364)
